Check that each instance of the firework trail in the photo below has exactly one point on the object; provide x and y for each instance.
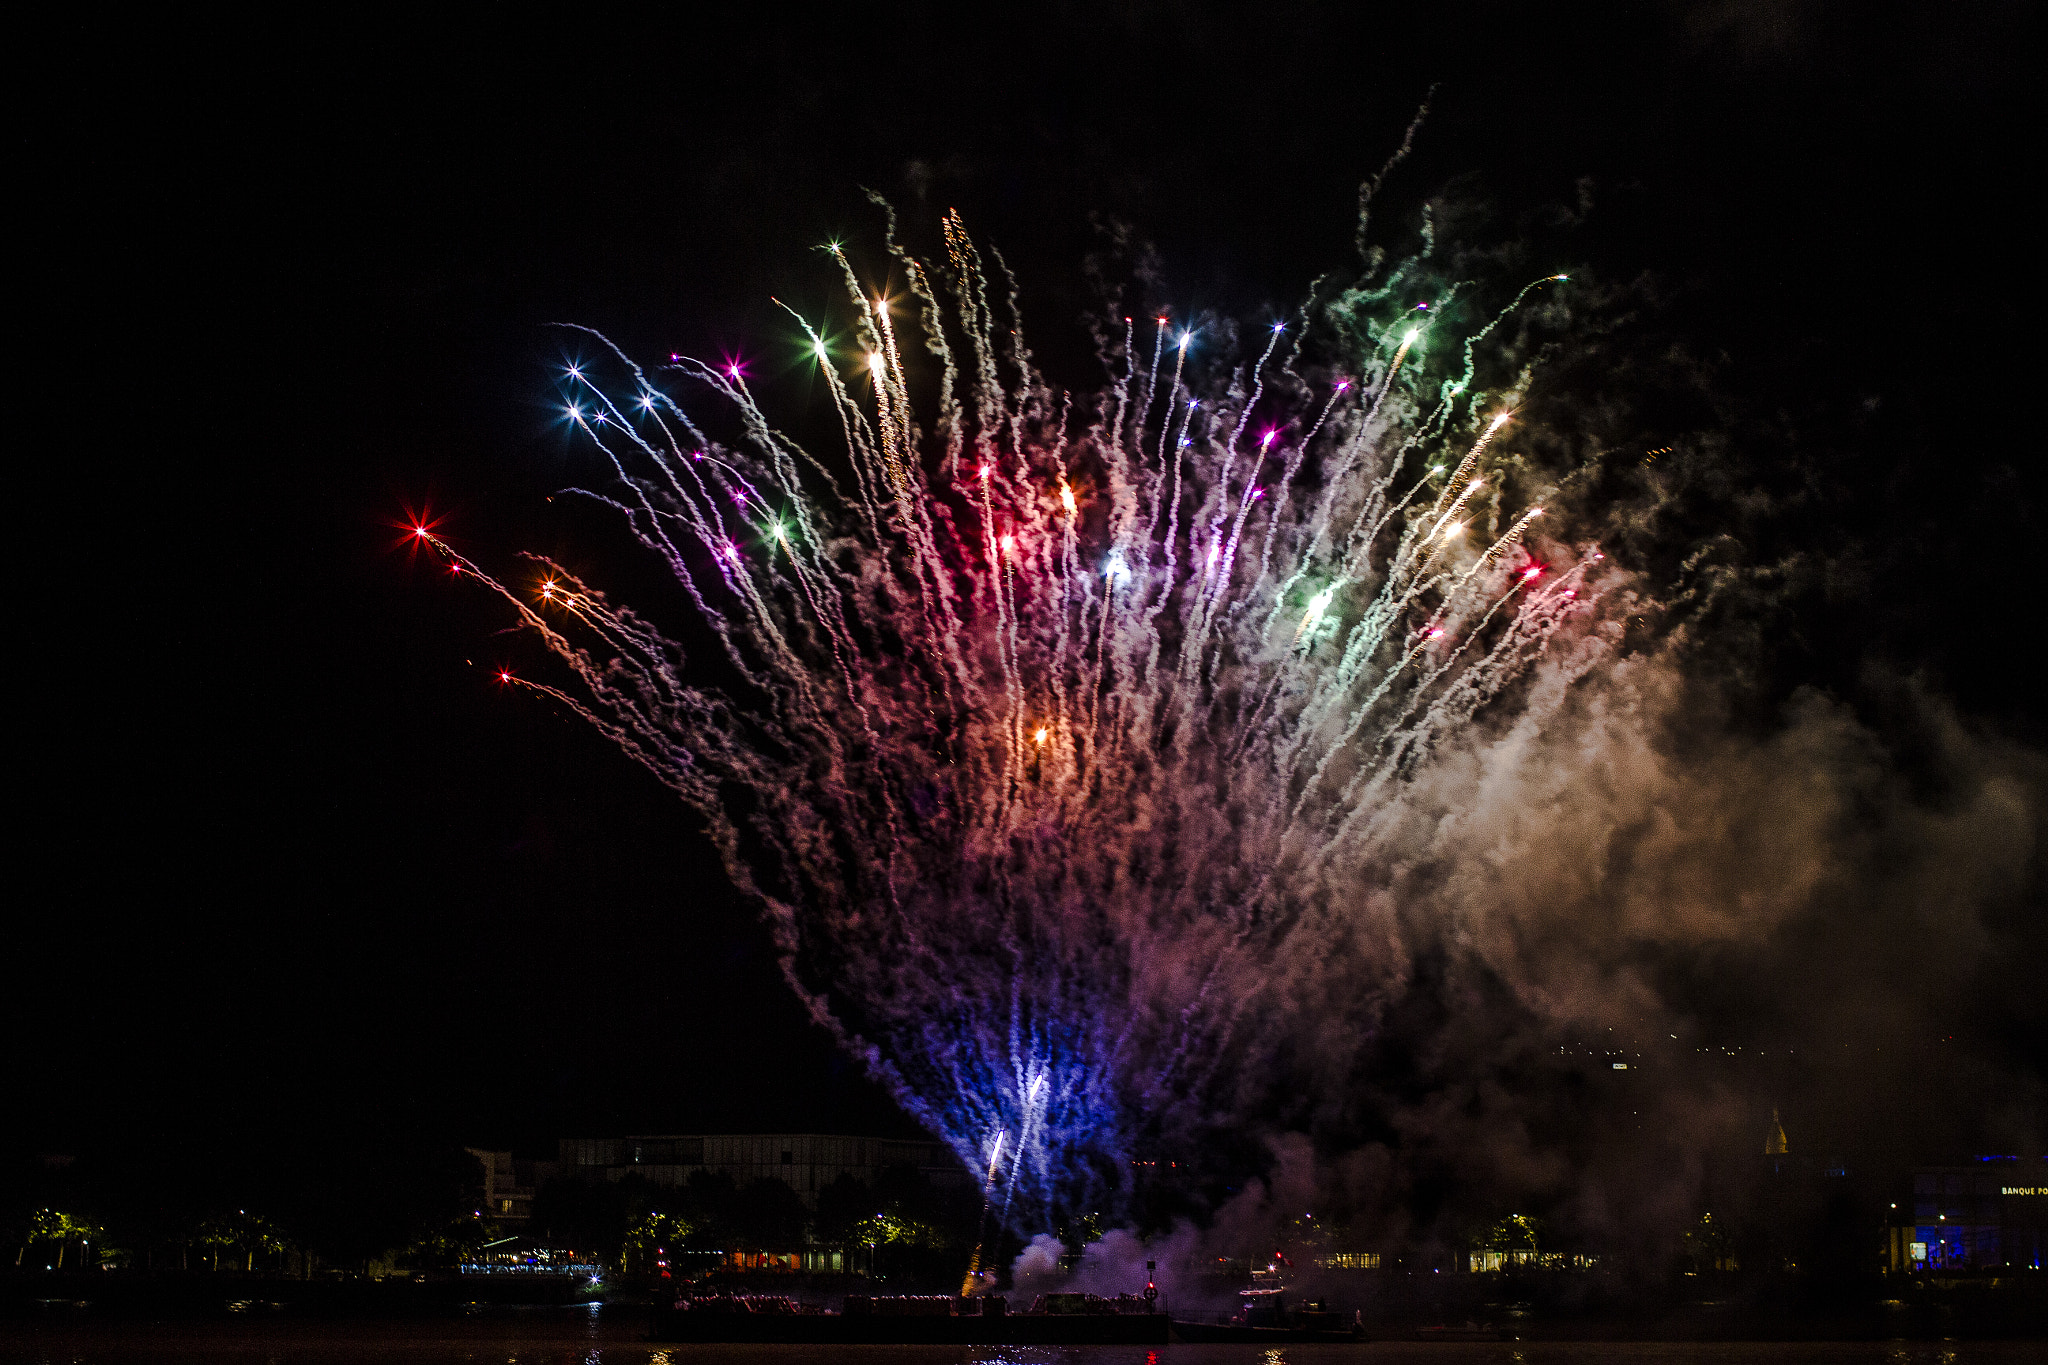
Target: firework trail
(1058, 725)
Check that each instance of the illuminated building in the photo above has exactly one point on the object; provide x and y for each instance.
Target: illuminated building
(509, 1184)
(1988, 1214)
(524, 1258)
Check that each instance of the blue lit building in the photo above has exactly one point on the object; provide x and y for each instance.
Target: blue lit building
(1990, 1214)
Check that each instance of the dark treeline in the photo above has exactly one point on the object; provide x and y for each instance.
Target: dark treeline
(392, 1206)
(293, 1207)
(900, 1226)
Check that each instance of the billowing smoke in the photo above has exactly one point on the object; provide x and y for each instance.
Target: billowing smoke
(1263, 753)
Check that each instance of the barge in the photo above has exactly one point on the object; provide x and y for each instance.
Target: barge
(935, 1320)
(1263, 1316)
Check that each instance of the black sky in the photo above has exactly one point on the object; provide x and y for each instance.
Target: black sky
(290, 861)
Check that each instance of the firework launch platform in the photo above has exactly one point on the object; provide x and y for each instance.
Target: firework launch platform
(934, 1321)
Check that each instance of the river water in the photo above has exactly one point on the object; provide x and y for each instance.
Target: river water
(554, 1341)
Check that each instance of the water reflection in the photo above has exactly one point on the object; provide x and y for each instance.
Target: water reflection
(585, 1339)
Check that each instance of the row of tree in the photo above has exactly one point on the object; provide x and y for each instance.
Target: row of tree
(383, 1210)
(204, 1211)
(900, 1224)
(57, 1239)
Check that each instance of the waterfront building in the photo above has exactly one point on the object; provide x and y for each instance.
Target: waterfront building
(806, 1162)
(1987, 1214)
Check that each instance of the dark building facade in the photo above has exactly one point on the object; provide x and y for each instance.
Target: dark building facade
(806, 1162)
(509, 1185)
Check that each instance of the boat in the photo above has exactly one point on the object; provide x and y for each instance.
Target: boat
(1263, 1315)
(902, 1320)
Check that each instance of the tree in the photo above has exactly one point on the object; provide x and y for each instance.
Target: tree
(842, 1206)
(650, 1242)
(588, 1215)
(1515, 1237)
(1078, 1231)
(242, 1234)
(769, 1217)
(391, 1200)
(50, 1225)
(915, 1231)
(1708, 1245)
(905, 1196)
(451, 1243)
(709, 1203)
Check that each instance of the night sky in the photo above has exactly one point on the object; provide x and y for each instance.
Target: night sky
(288, 863)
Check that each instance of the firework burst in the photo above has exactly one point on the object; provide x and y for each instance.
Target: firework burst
(1060, 724)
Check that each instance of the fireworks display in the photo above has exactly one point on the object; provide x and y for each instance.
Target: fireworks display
(1059, 734)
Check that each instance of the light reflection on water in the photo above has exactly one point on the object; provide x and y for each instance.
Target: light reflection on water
(574, 1336)
(597, 1344)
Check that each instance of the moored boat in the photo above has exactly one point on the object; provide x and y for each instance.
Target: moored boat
(1068, 1320)
(1263, 1315)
